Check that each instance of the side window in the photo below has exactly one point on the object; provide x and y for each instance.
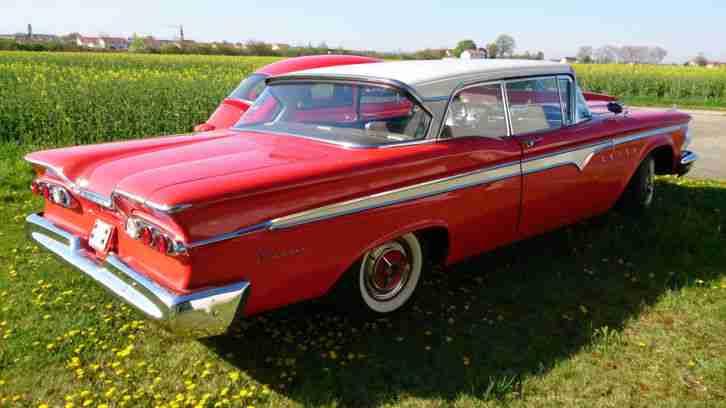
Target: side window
(477, 111)
(582, 112)
(534, 105)
(323, 95)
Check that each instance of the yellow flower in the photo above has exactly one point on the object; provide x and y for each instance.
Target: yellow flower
(43, 406)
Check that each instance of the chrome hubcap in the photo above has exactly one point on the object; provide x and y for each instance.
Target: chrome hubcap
(386, 270)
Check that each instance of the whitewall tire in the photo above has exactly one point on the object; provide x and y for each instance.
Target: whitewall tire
(389, 274)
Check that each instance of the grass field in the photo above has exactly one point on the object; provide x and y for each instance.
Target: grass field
(615, 311)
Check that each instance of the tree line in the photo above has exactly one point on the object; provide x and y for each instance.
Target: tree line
(627, 54)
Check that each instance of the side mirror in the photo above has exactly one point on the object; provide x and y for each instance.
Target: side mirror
(615, 107)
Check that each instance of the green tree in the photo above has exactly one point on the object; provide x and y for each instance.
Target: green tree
(137, 44)
(464, 45)
(492, 50)
(505, 45)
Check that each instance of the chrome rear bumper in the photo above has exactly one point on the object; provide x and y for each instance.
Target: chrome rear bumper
(204, 313)
(687, 160)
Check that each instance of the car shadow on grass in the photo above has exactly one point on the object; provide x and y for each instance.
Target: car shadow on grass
(480, 327)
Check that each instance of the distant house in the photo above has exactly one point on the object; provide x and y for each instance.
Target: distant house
(280, 47)
(702, 62)
(568, 60)
(90, 42)
(115, 43)
(474, 54)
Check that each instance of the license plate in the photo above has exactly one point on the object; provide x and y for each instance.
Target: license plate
(100, 236)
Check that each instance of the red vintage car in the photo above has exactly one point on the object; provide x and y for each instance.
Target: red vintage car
(236, 104)
(351, 178)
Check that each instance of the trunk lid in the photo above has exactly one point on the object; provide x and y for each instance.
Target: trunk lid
(145, 166)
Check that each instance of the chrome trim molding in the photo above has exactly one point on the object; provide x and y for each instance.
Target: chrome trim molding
(401, 195)
(647, 133)
(383, 199)
(165, 208)
(579, 157)
(202, 313)
(96, 198)
(229, 235)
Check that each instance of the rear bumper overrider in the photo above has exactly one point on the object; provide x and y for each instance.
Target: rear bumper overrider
(202, 313)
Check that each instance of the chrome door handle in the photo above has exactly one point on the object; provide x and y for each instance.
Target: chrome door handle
(530, 143)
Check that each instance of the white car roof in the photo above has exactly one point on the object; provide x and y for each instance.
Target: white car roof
(439, 78)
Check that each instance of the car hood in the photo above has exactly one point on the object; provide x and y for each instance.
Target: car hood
(145, 166)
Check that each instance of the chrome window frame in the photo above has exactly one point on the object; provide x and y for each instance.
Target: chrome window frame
(574, 112)
(356, 80)
(507, 107)
(534, 78)
(464, 87)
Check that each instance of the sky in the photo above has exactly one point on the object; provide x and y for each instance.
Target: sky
(557, 27)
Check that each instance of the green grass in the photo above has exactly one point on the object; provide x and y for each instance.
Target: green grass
(613, 311)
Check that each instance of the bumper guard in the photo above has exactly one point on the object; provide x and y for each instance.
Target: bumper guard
(203, 313)
(687, 160)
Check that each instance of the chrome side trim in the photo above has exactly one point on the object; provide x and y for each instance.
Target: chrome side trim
(647, 133)
(401, 195)
(579, 157)
(165, 208)
(229, 235)
(384, 199)
(202, 313)
(96, 198)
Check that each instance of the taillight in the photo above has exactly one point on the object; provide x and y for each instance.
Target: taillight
(54, 193)
(153, 236)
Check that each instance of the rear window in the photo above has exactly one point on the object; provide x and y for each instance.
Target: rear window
(359, 114)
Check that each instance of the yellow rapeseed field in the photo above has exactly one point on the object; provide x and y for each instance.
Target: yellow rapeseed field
(72, 98)
(49, 99)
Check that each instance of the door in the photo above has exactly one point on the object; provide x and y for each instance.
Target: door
(478, 144)
(564, 179)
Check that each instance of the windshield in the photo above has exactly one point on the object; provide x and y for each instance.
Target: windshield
(358, 114)
(250, 88)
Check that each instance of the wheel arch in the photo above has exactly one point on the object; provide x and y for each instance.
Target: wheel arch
(664, 156)
(431, 234)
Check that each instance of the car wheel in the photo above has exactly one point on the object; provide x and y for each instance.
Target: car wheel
(385, 278)
(638, 195)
